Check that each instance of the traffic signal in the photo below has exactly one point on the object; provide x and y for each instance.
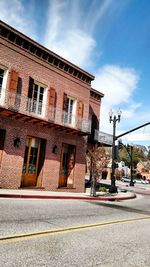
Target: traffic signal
(129, 148)
(116, 165)
(120, 144)
(116, 152)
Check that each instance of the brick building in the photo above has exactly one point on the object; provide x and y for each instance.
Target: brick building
(46, 108)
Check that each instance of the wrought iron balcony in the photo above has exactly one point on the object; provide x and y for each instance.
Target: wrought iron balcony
(27, 106)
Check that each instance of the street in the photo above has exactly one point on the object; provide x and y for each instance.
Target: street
(89, 233)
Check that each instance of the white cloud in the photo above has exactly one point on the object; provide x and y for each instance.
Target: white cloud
(64, 37)
(118, 85)
(14, 13)
(97, 12)
(70, 32)
(76, 46)
(141, 135)
(138, 137)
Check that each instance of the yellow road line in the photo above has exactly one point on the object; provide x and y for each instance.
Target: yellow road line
(26, 236)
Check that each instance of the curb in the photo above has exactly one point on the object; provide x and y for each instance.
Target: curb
(66, 197)
(142, 192)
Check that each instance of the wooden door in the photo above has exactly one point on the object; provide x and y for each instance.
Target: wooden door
(67, 165)
(2, 140)
(31, 161)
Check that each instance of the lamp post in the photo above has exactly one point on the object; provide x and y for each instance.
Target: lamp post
(113, 118)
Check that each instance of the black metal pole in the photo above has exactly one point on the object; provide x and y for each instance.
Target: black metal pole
(131, 166)
(93, 174)
(113, 188)
(132, 130)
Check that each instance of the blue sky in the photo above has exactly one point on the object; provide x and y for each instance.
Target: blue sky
(108, 38)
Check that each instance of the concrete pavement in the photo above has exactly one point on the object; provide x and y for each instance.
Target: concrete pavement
(143, 189)
(125, 192)
(37, 194)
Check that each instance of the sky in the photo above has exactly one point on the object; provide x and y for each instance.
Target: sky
(108, 38)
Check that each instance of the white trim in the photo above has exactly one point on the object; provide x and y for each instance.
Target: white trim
(4, 83)
(44, 98)
(73, 115)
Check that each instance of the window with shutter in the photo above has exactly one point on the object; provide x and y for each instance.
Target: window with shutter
(65, 102)
(35, 97)
(13, 81)
(1, 80)
(69, 108)
(52, 104)
(52, 97)
(80, 108)
(30, 89)
(13, 86)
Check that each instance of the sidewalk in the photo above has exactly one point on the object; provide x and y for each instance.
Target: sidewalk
(137, 188)
(36, 194)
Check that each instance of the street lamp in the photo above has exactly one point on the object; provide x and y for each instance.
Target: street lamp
(113, 118)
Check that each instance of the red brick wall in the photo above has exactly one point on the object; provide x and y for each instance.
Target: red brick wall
(27, 65)
(12, 159)
(95, 105)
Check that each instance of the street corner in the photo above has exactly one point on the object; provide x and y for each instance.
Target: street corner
(100, 196)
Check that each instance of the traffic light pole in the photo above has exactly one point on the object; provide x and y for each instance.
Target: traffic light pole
(132, 130)
(129, 150)
(131, 166)
(131, 154)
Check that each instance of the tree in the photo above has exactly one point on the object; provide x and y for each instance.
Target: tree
(97, 161)
(137, 155)
(119, 173)
(148, 156)
(147, 167)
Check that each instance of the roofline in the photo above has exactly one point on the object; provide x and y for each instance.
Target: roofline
(97, 92)
(32, 42)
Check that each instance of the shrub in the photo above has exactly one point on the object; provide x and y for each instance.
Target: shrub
(102, 189)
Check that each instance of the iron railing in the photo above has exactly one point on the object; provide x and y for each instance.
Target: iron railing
(30, 107)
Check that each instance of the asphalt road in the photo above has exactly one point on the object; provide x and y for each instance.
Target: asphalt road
(75, 233)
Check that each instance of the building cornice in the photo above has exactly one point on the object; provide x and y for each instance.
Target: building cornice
(19, 39)
(96, 94)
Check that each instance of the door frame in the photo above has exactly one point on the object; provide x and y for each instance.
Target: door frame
(64, 180)
(30, 179)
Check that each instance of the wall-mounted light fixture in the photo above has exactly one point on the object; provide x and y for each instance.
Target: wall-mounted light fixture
(17, 142)
(54, 149)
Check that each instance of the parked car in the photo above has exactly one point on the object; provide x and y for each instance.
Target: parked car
(141, 181)
(125, 179)
(87, 183)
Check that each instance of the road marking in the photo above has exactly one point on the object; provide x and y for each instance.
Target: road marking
(26, 236)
